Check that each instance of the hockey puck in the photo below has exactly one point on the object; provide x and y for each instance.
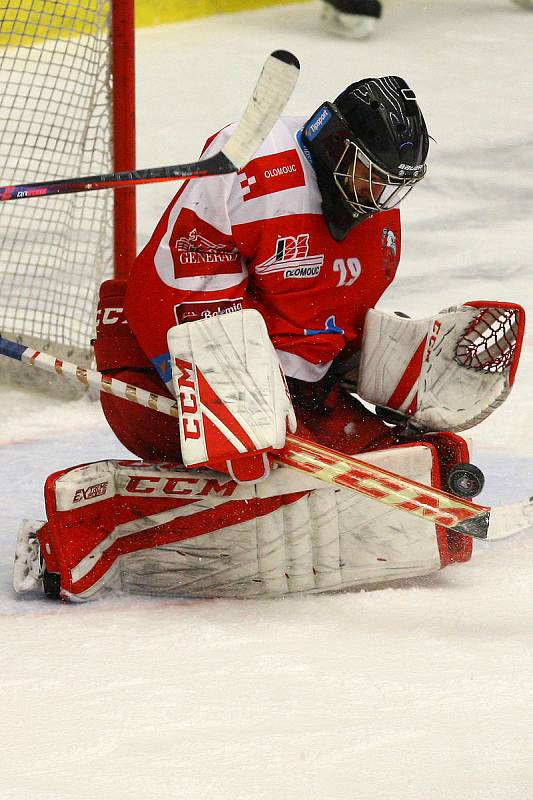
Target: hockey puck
(466, 480)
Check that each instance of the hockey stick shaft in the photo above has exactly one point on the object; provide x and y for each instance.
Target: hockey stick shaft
(272, 92)
(327, 465)
(88, 377)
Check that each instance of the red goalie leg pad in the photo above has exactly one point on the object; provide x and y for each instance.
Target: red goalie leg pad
(146, 433)
(99, 512)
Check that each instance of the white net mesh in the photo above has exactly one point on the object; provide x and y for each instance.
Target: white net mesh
(54, 123)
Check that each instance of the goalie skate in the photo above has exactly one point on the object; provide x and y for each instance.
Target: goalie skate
(28, 570)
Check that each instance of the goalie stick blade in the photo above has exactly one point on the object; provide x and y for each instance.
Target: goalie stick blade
(270, 96)
(274, 88)
(511, 519)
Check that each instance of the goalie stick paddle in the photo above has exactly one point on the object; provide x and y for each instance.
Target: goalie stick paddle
(270, 96)
(386, 487)
(440, 507)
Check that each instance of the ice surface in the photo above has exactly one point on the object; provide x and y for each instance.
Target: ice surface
(417, 691)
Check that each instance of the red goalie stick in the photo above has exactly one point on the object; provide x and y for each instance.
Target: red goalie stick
(272, 91)
(394, 490)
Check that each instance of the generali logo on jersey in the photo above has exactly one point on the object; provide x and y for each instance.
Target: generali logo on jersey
(195, 249)
(292, 258)
(269, 174)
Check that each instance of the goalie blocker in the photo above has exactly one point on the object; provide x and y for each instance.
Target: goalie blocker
(163, 530)
(234, 405)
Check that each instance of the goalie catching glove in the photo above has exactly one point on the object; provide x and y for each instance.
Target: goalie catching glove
(233, 401)
(447, 372)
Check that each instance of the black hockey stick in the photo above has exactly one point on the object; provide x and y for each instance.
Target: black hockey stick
(272, 92)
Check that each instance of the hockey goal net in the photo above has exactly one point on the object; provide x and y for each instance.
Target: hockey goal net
(66, 78)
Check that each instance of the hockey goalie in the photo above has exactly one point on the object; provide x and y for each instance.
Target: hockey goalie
(254, 305)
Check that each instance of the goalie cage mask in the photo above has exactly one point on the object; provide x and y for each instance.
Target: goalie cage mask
(368, 148)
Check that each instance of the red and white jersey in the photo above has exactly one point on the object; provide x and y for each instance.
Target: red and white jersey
(258, 239)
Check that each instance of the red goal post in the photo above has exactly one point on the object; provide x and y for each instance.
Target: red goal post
(123, 69)
(67, 85)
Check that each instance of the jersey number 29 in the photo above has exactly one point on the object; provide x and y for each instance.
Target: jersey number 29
(349, 270)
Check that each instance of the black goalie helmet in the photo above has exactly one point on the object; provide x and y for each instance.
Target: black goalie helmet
(369, 148)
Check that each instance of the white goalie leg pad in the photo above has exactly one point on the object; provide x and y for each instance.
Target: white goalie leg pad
(163, 530)
(326, 540)
(232, 396)
(447, 372)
